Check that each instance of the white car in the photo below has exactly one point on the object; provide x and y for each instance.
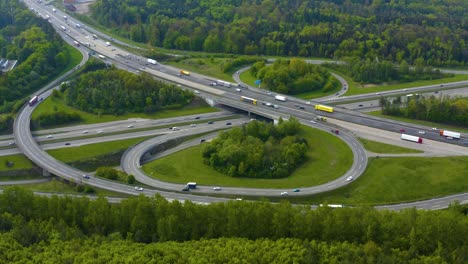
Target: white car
(217, 189)
(275, 106)
(85, 132)
(138, 188)
(313, 122)
(130, 126)
(49, 136)
(284, 193)
(421, 132)
(193, 125)
(350, 178)
(100, 132)
(196, 91)
(434, 128)
(308, 102)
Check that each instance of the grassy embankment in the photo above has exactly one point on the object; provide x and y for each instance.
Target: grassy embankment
(378, 147)
(328, 158)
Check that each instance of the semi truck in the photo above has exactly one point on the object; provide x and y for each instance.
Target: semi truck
(452, 134)
(281, 98)
(154, 62)
(411, 138)
(324, 108)
(223, 83)
(191, 185)
(248, 100)
(33, 101)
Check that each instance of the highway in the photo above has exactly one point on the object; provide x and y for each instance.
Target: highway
(226, 96)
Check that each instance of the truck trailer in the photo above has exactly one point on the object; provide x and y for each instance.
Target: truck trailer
(452, 134)
(411, 138)
(154, 62)
(281, 98)
(324, 108)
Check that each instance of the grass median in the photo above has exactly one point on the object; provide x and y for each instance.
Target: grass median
(328, 158)
(19, 161)
(396, 180)
(378, 147)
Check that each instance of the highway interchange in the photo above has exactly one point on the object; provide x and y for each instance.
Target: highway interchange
(225, 96)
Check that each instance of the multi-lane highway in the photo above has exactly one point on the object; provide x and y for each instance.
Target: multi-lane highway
(223, 95)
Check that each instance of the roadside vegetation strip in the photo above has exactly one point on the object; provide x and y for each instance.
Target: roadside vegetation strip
(59, 186)
(378, 147)
(327, 159)
(419, 122)
(205, 66)
(58, 104)
(92, 150)
(20, 178)
(398, 180)
(20, 161)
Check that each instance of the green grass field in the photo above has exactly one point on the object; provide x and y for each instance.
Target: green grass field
(75, 58)
(328, 158)
(21, 162)
(378, 147)
(206, 66)
(395, 180)
(93, 150)
(51, 103)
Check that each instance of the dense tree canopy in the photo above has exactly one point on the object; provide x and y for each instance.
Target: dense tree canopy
(294, 77)
(257, 150)
(66, 229)
(435, 31)
(40, 52)
(445, 110)
(113, 91)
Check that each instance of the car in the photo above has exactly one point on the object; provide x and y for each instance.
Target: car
(186, 189)
(213, 84)
(238, 90)
(405, 90)
(196, 91)
(210, 123)
(402, 130)
(11, 143)
(284, 194)
(202, 140)
(377, 93)
(275, 106)
(337, 93)
(308, 102)
(217, 189)
(421, 132)
(193, 125)
(49, 136)
(360, 105)
(296, 105)
(243, 86)
(228, 123)
(296, 190)
(313, 122)
(85, 132)
(67, 144)
(434, 128)
(436, 92)
(197, 117)
(86, 176)
(269, 93)
(130, 126)
(301, 107)
(238, 199)
(441, 85)
(268, 104)
(350, 178)
(138, 188)
(175, 129)
(100, 132)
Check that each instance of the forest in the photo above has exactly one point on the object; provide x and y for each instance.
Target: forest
(40, 52)
(114, 91)
(433, 31)
(445, 110)
(152, 230)
(257, 150)
(294, 77)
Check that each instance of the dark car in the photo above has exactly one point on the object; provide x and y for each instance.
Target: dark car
(68, 144)
(197, 117)
(210, 123)
(301, 107)
(186, 189)
(228, 124)
(202, 140)
(402, 130)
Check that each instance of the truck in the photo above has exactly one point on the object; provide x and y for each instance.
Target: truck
(324, 108)
(281, 98)
(223, 83)
(191, 185)
(183, 72)
(412, 138)
(321, 118)
(447, 133)
(154, 62)
(76, 43)
(33, 101)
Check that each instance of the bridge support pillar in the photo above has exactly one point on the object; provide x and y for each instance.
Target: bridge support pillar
(45, 173)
